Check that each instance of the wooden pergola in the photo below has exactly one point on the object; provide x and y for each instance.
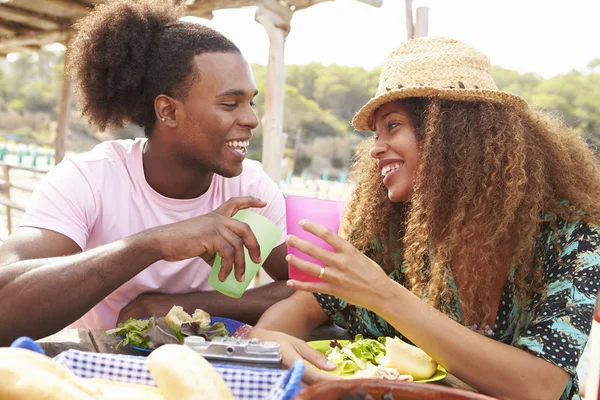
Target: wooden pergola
(31, 24)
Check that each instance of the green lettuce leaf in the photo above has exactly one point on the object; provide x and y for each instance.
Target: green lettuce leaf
(356, 355)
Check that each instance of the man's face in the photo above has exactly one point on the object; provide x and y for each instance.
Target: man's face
(218, 116)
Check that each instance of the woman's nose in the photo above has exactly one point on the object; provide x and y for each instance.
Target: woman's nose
(378, 149)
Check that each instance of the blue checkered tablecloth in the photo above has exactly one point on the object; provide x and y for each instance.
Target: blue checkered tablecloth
(246, 383)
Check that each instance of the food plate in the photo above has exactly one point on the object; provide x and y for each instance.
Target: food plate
(230, 324)
(323, 345)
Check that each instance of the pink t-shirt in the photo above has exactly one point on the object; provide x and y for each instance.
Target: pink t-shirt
(102, 196)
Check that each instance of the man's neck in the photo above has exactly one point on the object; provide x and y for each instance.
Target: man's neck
(170, 178)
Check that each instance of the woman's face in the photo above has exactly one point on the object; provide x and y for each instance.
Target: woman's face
(396, 149)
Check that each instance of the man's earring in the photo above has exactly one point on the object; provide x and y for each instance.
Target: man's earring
(163, 119)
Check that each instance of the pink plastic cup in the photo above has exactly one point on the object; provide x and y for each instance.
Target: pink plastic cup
(324, 212)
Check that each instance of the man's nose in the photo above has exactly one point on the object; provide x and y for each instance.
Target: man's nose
(249, 119)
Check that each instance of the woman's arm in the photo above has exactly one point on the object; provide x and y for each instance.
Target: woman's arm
(494, 368)
(288, 323)
(491, 367)
(296, 316)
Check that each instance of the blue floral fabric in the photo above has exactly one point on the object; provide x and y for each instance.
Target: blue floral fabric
(555, 324)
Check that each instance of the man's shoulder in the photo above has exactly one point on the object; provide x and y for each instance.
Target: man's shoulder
(109, 151)
(112, 159)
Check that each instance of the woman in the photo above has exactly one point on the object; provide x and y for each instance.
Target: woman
(472, 232)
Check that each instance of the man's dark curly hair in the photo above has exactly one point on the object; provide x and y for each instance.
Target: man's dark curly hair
(127, 52)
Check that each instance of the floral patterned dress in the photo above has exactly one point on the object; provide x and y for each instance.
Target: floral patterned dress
(556, 323)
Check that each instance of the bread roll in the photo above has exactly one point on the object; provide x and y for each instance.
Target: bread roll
(201, 317)
(111, 390)
(24, 380)
(176, 316)
(22, 367)
(408, 359)
(183, 374)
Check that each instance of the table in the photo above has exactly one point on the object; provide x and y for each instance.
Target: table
(97, 341)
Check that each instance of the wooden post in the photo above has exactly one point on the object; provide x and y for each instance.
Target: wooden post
(6, 173)
(276, 21)
(63, 110)
(410, 27)
(422, 22)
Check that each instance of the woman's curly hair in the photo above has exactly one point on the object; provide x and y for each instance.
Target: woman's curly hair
(488, 176)
(127, 52)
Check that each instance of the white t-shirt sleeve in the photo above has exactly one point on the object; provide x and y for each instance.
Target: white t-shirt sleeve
(269, 192)
(63, 202)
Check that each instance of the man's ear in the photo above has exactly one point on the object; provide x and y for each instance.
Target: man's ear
(166, 109)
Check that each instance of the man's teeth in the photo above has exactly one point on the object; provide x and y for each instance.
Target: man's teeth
(236, 143)
(390, 167)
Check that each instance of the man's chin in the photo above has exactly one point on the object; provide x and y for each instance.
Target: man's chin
(231, 173)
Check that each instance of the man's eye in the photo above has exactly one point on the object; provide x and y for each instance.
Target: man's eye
(230, 105)
(252, 104)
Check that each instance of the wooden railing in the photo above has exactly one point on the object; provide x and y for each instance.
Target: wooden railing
(5, 190)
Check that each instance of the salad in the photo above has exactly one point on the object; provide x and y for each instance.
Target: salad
(155, 331)
(355, 355)
(386, 358)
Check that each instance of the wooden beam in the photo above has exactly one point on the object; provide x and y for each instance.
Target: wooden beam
(59, 9)
(6, 32)
(34, 38)
(302, 4)
(208, 6)
(27, 18)
(200, 14)
(71, 5)
(18, 49)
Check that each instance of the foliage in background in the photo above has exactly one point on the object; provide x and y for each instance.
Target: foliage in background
(319, 102)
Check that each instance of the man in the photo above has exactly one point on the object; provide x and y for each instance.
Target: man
(127, 228)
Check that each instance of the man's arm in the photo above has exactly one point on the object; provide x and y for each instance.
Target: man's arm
(247, 309)
(40, 296)
(46, 283)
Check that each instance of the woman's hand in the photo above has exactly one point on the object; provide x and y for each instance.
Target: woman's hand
(349, 274)
(293, 349)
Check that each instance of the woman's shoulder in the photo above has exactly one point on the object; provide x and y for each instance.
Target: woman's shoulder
(573, 236)
(572, 249)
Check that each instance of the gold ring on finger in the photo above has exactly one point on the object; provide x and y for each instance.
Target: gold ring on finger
(322, 273)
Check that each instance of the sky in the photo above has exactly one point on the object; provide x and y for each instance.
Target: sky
(547, 37)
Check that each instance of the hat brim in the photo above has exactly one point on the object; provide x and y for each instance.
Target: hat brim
(363, 120)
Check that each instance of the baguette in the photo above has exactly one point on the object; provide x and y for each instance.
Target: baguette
(408, 359)
(182, 374)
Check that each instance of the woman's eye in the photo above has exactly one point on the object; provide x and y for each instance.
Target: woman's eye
(392, 125)
(376, 136)
(230, 105)
(252, 104)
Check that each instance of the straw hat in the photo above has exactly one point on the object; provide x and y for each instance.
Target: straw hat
(434, 67)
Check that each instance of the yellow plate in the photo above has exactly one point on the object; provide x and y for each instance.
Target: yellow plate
(323, 345)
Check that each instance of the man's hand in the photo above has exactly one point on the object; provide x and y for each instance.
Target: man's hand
(209, 234)
(138, 308)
